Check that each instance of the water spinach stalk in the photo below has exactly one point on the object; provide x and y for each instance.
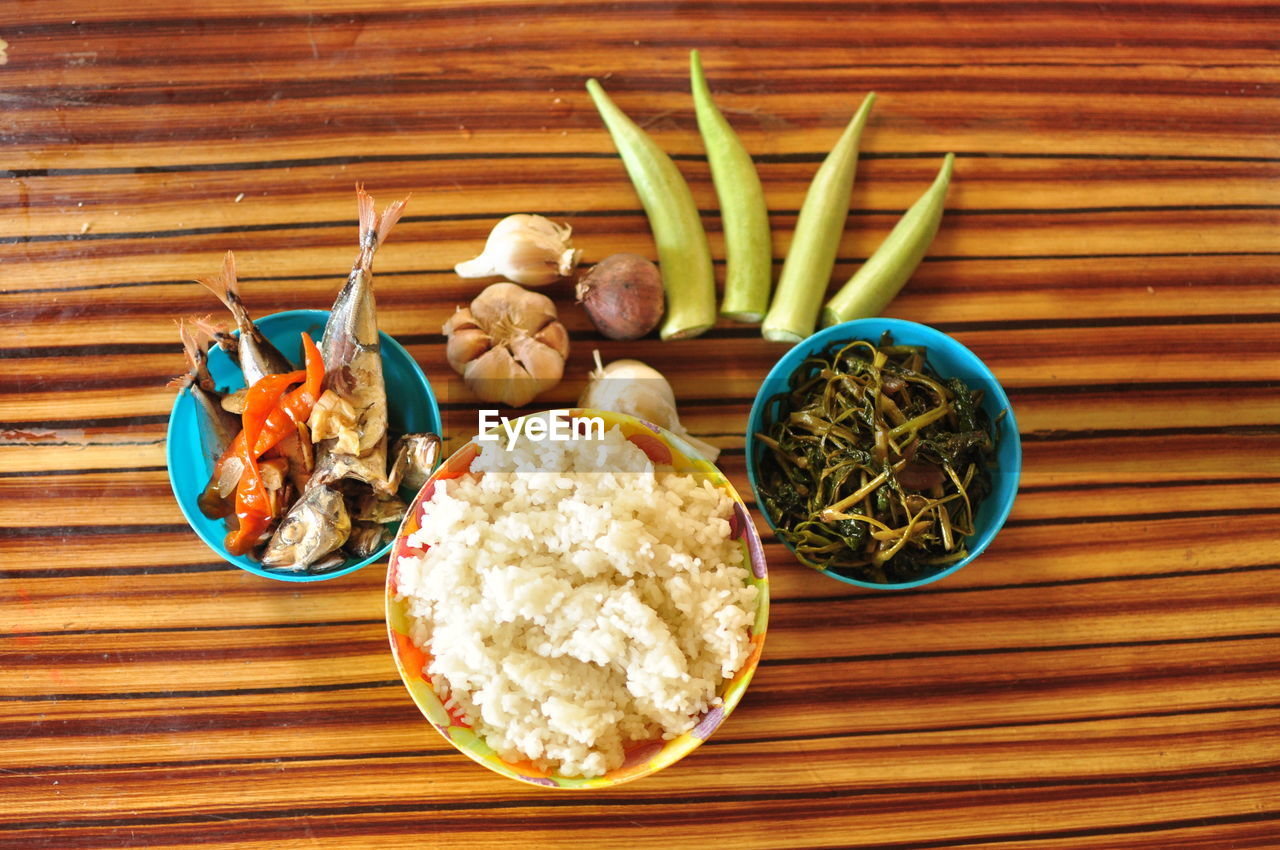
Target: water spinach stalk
(683, 254)
(881, 277)
(807, 270)
(748, 245)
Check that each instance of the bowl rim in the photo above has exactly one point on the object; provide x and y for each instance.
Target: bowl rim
(169, 455)
(747, 672)
(787, 363)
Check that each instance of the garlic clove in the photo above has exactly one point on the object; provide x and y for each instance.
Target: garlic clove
(333, 417)
(542, 363)
(528, 249)
(627, 370)
(481, 266)
(460, 320)
(466, 345)
(555, 337)
(496, 376)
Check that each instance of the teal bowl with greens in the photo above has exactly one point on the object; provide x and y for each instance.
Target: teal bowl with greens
(949, 359)
(411, 408)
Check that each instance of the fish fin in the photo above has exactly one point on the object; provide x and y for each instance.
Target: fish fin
(227, 289)
(191, 350)
(223, 285)
(204, 330)
(198, 335)
(388, 219)
(368, 218)
(229, 274)
(215, 333)
(375, 228)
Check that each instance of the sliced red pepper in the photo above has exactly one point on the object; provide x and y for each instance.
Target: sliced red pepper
(296, 405)
(253, 505)
(263, 398)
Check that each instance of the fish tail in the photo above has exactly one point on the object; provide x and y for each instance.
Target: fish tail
(227, 289)
(190, 350)
(198, 335)
(207, 329)
(368, 219)
(374, 228)
(202, 331)
(188, 377)
(388, 219)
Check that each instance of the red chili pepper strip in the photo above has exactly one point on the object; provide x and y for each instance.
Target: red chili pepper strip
(253, 506)
(315, 367)
(296, 405)
(263, 398)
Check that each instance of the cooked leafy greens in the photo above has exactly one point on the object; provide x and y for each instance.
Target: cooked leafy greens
(873, 465)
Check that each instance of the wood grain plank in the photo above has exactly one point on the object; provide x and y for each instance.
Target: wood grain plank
(1103, 676)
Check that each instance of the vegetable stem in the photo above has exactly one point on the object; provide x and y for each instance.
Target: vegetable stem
(683, 254)
(806, 272)
(885, 272)
(748, 244)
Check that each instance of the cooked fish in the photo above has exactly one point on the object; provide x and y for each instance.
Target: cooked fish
(316, 525)
(353, 361)
(415, 457)
(367, 505)
(217, 427)
(366, 539)
(256, 355)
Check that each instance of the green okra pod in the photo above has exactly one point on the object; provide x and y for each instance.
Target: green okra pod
(880, 278)
(683, 254)
(748, 245)
(806, 272)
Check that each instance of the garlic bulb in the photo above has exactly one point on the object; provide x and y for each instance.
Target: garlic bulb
(508, 345)
(639, 390)
(527, 249)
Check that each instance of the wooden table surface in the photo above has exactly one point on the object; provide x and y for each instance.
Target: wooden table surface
(1106, 675)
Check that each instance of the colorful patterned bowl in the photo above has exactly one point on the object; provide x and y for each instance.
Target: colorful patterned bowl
(643, 758)
(411, 408)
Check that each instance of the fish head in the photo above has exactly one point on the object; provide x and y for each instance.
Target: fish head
(316, 525)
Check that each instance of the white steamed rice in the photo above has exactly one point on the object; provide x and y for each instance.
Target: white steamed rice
(569, 612)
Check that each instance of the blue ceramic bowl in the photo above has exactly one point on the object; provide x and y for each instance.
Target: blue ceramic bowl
(951, 360)
(411, 408)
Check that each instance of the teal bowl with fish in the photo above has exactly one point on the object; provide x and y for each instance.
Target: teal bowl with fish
(912, 468)
(411, 409)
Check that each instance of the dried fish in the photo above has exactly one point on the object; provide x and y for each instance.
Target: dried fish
(352, 356)
(415, 456)
(335, 462)
(257, 356)
(217, 427)
(366, 539)
(366, 505)
(353, 361)
(317, 524)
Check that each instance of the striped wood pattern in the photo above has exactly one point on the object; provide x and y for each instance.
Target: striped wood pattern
(1104, 676)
